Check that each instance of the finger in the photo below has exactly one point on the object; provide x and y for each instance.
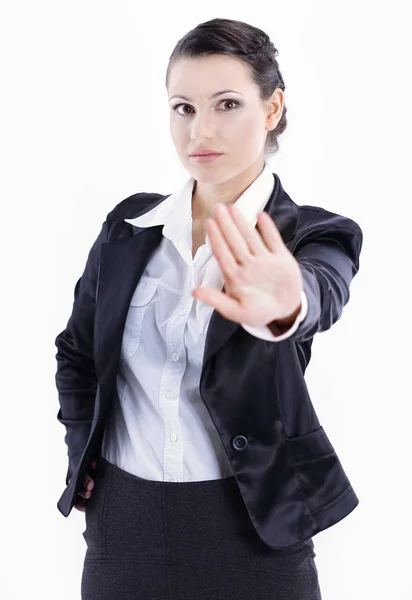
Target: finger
(223, 303)
(269, 232)
(80, 505)
(230, 232)
(88, 482)
(84, 494)
(86, 490)
(221, 250)
(250, 234)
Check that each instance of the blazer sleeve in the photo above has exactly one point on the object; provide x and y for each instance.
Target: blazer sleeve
(76, 379)
(328, 254)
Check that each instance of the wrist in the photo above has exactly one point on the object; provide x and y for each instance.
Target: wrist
(281, 326)
(290, 319)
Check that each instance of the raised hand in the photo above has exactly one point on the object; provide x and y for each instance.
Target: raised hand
(263, 280)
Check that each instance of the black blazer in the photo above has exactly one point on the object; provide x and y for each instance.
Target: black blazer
(290, 477)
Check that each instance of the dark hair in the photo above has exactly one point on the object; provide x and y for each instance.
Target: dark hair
(245, 42)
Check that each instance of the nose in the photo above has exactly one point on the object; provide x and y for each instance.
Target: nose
(202, 125)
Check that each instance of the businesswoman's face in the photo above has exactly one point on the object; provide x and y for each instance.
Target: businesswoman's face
(234, 123)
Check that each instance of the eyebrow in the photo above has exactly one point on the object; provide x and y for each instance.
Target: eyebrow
(210, 97)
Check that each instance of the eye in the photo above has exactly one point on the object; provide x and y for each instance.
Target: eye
(231, 102)
(176, 106)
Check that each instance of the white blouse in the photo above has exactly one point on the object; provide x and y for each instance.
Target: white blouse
(159, 427)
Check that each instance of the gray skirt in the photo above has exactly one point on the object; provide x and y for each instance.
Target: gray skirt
(155, 540)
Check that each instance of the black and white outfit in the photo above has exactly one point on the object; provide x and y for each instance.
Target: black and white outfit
(214, 472)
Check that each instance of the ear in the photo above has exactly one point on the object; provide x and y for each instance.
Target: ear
(275, 106)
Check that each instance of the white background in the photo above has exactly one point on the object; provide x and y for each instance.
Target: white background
(84, 124)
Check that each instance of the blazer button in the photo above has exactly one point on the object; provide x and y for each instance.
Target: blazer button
(239, 442)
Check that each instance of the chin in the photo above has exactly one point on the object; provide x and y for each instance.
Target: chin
(209, 172)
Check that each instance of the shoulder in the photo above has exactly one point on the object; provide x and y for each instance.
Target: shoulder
(318, 217)
(317, 225)
(135, 205)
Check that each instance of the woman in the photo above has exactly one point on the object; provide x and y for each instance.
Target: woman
(199, 461)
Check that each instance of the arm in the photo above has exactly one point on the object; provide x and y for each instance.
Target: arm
(76, 379)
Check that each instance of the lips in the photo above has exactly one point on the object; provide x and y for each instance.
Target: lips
(205, 158)
(206, 153)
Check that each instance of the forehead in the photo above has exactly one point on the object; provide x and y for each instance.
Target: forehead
(207, 74)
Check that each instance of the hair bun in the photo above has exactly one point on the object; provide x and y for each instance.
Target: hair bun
(265, 47)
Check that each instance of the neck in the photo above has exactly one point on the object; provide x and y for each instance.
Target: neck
(205, 195)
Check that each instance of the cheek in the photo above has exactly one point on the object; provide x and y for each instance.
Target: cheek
(178, 133)
(251, 123)
(242, 124)
(247, 128)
